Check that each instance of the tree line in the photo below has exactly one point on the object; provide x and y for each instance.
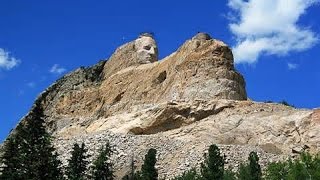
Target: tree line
(28, 154)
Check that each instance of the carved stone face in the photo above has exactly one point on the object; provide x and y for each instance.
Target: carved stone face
(147, 50)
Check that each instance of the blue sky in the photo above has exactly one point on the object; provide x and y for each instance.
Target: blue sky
(275, 43)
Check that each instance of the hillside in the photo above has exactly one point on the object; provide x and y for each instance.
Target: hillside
(178, 105)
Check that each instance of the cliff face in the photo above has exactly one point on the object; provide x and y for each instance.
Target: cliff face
(200, 70)
(179, 105)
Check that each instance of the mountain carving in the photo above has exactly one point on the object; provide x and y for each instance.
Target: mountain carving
(178, 105)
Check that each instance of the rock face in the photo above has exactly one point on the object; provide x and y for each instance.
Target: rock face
(179, 105)
(202, 69)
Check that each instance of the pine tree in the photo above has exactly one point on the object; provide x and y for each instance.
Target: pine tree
(148, 170)
(36, 153)
(11, 167)
(229, 175)
(255, 169)
(102, 167)
(244, 172)
(77, 164)
(213, 166)
(251, 171)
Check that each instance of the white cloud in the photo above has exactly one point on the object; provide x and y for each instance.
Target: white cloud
(292, 66)
(57, 69)
(269, 27)
(6, 61)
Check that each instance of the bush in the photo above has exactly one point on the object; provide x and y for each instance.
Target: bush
(305, 167)
(276, 171)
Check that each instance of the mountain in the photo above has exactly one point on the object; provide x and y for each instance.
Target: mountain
(178, 105)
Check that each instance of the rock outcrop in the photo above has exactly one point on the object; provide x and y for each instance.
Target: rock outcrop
(179, 105)
(202, 69)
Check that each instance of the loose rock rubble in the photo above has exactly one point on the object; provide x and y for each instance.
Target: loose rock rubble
(174, 155)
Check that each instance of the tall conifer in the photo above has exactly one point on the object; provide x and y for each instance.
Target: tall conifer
(102, 166)
(11, 166)
(77, 164)
(37, 154)
(148, 170)
(213, 166)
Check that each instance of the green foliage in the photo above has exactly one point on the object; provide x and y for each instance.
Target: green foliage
(305, 167)
(243, 172)
(254, 166)
(102, 167)
(229, 175)
(298, 170)
(276, 171)
(11, 168)
(34, 156)
(148, 170)
(77, 164)
(251, 171)
(213, 166)
(189, 175)
(311, 164)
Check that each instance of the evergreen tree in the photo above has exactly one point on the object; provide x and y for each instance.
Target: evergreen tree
(102, 167)
(229, 175)
(36, 153)
(148, 170)
(255, 169)
(244, 172)
(251, 171)
(213, 166)
(77, 164)
(11, 166)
